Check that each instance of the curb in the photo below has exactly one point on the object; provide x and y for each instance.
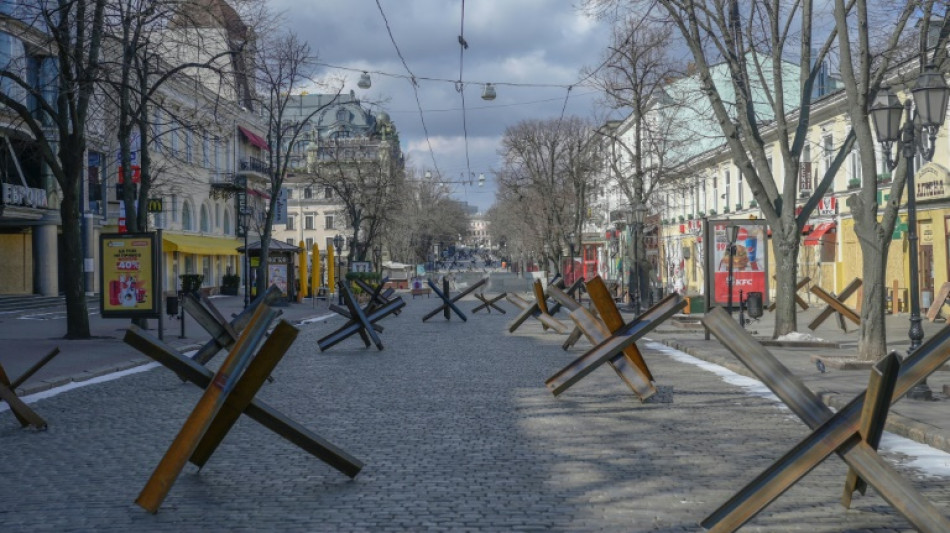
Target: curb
(896, 423)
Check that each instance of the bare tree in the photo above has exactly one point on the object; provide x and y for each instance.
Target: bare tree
(284, 67)
(865, 64)
(645, 151)
(549, 164)
(72, 31)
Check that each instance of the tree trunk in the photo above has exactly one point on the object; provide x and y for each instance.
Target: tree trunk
(785, 248)
(77, 313)
(872, 344)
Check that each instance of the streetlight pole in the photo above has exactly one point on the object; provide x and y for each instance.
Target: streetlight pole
(245, 216)
(733, 232)
(338, 244)
(930, 95)
(639, 211)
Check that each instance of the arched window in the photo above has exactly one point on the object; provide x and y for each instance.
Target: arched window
(205, 222)
(217, 215)
(227, 222)
(186, 223)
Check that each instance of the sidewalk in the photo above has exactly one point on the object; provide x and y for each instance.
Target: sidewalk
(29, 335)
(922, 421)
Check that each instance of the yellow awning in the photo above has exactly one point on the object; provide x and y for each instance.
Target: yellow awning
(200, 244)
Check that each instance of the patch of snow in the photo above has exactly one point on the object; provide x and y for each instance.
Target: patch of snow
(928, 461)
(315, 319)
(799, 337)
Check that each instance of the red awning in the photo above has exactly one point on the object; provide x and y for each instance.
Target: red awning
(254, 138)
(819, 232)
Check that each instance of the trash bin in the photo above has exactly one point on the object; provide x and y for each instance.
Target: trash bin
(753, 304)
(926, 299)
(171, 305)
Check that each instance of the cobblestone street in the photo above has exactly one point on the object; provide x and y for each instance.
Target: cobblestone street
(457, 431)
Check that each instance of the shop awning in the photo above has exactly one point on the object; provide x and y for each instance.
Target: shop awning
(820, 230)
(254, 138)
(199, 244)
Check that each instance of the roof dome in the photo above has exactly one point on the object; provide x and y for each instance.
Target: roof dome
(382, 117)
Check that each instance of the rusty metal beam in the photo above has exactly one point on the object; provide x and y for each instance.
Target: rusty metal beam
(832, 433)
(256, 410)
(211, 402)
(622, 338)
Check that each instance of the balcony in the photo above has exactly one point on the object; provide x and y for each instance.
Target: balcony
(254, 164)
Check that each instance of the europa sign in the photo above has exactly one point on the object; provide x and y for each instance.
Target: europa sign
(128, 275)
(26, 196)
(932, 182)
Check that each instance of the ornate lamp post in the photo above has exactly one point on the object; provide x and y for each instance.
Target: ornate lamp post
(338, 244)
(930, 95)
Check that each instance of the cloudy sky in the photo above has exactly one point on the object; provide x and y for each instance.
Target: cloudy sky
(537, 42)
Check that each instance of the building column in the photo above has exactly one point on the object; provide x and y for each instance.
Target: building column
(45, 260)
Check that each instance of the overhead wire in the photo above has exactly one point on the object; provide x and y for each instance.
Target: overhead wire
(414, 84)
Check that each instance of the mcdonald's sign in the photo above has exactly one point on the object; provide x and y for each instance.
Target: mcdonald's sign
(155, 205)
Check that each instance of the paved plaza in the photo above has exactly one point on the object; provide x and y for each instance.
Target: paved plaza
(457, 431)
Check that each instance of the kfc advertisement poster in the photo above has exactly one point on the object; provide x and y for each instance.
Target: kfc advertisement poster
(748, 262)
(128, 275)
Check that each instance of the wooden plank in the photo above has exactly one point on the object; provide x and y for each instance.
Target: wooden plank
(272, 351)
(197, 423)
(518, 301)
(530, 311)
(540, 297)
(835, 304)
(257, 410)
(939, 302)
(850, 288)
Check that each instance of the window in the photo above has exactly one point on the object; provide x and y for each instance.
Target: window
(227, 222)
(328, 192)
(217, 155)
(189, 264)
(328, 222)
(739, 187)
(205, 223)
(309, 243)
(828, 147)
(186, 223)
(329, 243)
(715, 193)
(342, 115)
(290, 240)
(174, 208)
(290, 222)
(308, 193)
(855, 167)
(290, 192)
(206, 270)
(227, 156)
(728, 195)
(157, 131)
(217, 215)
(189, 145)
(174, 138)
(205, 151)
(308, 222)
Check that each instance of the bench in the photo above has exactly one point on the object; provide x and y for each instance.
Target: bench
(419, 292)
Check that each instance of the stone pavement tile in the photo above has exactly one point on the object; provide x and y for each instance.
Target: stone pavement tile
(458, 433)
